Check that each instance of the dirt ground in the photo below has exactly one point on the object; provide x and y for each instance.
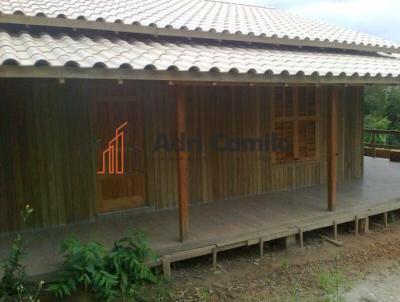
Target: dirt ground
(365, 268)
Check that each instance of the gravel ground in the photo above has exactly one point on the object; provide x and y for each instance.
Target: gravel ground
(369, 263)
(375, 288)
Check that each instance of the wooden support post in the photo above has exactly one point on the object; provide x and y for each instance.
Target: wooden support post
(385, 219)
(261, 248)
(214, 257)
(366, 225)
(166, 263)
(332, 147)
(374, 144)
(290, 242)
(183, 171)
(356, 226)
(335, 230)
(301, 239)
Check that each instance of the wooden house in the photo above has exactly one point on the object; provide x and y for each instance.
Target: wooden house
(165, 113)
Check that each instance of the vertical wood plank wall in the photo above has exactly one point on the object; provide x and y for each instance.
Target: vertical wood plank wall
(47, 147)
(46, 157)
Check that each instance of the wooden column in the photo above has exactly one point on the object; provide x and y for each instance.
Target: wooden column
(332, 146)
(183, 171)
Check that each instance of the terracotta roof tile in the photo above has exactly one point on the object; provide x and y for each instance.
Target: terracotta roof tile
(114, 52)
(205, 15)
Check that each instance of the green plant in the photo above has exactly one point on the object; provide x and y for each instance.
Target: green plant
(294, 293)
(285, 264)
(14, 285)
(204, 294)
(333, 283)
(157, 292)
(382, 111)
(108, 274)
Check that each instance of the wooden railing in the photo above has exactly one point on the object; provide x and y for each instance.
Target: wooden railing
(375, 140)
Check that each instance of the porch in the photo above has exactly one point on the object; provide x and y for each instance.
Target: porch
(231, 223)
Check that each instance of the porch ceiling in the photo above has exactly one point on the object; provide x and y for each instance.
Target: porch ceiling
(236, 61)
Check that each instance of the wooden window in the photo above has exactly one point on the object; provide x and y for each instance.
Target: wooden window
(294, 124)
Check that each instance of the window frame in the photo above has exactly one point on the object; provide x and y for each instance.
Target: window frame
(296, 119)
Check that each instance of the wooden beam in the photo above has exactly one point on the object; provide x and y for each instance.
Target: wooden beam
(332, 147)
(385, 219)
(261, 247)
(214, 257)
(335, 230)
(366, 225)
(374, 145)
(356, 226)
(183, 165)
(166, 264)
(301, 238)
(295, 100)
(186, 76)
(333, 241)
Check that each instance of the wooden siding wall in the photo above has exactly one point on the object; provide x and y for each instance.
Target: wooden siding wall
(245, 112)
(47, 151)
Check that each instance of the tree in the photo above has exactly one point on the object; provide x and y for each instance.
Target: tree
(382, 111)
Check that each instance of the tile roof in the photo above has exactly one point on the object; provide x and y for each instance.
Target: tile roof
(200, 15)
(113, 52)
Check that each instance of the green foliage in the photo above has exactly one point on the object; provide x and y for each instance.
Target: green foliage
(108, 274)
(285, 264)
(13, 272)
(295, 293)
(376, 100)
(14, 285)
(393, 109)
(203, 294)
(333, 284)
(376, 122)
(382, 111)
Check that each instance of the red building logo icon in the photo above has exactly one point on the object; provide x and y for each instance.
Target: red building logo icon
(113, 156)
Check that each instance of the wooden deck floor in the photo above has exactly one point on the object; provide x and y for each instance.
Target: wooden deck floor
(233, 222)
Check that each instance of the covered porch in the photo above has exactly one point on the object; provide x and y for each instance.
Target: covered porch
(228, 224)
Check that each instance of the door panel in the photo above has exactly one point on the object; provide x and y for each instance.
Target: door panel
(120, 155)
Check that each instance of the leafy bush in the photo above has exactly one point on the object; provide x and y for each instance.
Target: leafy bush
(108, 274)
(14, 285)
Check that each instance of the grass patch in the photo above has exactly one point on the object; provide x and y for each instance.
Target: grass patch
(333, 284)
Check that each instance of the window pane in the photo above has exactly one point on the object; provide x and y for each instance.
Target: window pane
(306, 101)
(278, 102)
(307, 139)
(283, 144)
(283, 102)
(289, 100)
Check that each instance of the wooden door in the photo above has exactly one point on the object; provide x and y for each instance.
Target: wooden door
(120, 154)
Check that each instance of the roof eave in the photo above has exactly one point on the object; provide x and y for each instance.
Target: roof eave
(181, 33)
(186, 76)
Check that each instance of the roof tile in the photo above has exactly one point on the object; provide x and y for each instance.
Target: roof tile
(194, 14)
(114, 52)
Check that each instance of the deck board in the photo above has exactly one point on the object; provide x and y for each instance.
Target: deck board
(229, 220)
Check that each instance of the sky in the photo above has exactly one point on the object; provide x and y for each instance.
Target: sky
(377, 17)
